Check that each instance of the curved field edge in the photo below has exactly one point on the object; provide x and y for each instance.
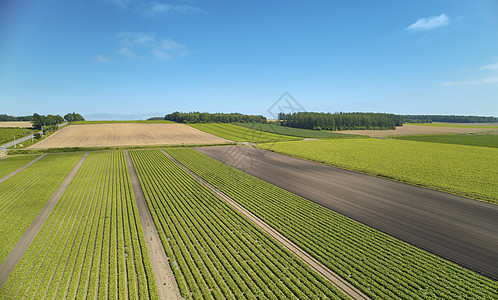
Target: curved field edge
(216, 251)
(376, 263)
(298, 132)
(241, 134)
(470, 171)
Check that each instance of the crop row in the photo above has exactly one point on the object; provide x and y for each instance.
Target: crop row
(299, 132)
(23, 196)
(92, 244)
(379, 265)
(215, 252)
(241, 134)
(12, 163)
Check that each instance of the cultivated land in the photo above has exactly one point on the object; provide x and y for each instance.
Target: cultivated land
(10, 164)
(378, 264)
(298, 132)
(242, 134)
(126, 122)
(18, 124)
(7, 134)
(215, 251)
(460, 125)
(483, 140)
(460, 229)
(418, 129)
(465, 169)
(108, 135)
(92, 245)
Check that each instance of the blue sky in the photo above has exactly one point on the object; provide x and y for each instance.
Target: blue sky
(139, 58)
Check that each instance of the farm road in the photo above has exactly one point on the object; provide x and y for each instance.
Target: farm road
(462, 230)
(344, 286)
(165, 280)
(22, 168)
(15, 255)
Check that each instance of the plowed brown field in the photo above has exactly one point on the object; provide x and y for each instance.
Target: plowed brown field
(414, 129)
(20, 124)
(104, 135)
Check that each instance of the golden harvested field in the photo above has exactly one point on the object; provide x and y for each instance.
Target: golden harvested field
(415, 129)
(20, 124)
(123, 134)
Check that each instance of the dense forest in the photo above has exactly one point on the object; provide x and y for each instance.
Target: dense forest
(41, 121)
(449, 119)
(198, 117)
(7, 118)
(340, 121)
(73, 117)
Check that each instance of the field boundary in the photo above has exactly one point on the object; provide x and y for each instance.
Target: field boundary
(15, 255)
(317, 266)
(167, 287)
(21, 168)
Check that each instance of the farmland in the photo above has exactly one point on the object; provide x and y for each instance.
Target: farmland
(16, 124)
(460, 125)
(10, 164)
(23, 196)
(241, 134)
(298, 132)
(125, 122)
(7, 134)
(408, 129)
(92, 245)
(127, 134)
(482, 140)
(467, 169)
(381, 266)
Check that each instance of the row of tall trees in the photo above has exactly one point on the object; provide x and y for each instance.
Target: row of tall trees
(449, 119)
(73, 117)
(39, 121)
(7, 118)
(198, 117)
(340, 121)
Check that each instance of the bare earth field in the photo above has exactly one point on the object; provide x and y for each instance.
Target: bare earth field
(415, 129)
(123, 134)
(20, 124)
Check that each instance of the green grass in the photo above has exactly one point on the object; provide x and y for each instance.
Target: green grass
(241, 134)
(215, 251)
(10, 164)
(7, 134)
(467, 169)
(298, 132)
(378, 264)
(23, 196)
(124, 121)
(92, 244)
(482, 140)
(455, 125)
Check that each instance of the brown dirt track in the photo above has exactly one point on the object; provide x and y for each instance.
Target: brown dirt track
(414, 129)
(126, 134)
(459, 229)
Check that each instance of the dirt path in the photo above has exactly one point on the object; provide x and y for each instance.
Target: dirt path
(24, 242)
(335, 279)
(165, 280)
(22, 168)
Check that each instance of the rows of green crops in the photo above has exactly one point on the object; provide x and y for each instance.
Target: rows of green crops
(12, 163)
(299, 132)
(482, 140)
(23, 196)
(467, 169)
(215, 252)
(92, 244)
(379, 265)
(241, 134)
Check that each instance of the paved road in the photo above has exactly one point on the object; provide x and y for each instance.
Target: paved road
(461, 230)
(18, 141)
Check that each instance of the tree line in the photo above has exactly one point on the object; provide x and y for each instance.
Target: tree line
(198, 117)
(449, 119)
(340, 121)
(41, 121)
(7, 118)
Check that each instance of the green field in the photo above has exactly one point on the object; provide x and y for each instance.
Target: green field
(378, 264)
(23, 196)
(215, 252)
(467, 169)
(124, 121)
(455, 125)
(482, 140)
(242, 134)
(7, 134)
(298, 132)
(10, 164)
(92, 244)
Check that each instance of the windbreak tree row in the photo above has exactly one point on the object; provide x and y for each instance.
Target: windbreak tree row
(215, 252)
(340, 121)
(379, 265)
(92, 244)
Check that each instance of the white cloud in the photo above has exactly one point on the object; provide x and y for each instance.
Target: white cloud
(428, 23)
(155, 7)
(101, 59)
(480, 81)
(120, 3)
(141, 45)
(490, 67)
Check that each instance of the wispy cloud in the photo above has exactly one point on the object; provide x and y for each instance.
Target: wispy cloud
(490, 67)
(480, 81)
(143, 45)
(429, 23)
(101, 59)
(155, 7)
